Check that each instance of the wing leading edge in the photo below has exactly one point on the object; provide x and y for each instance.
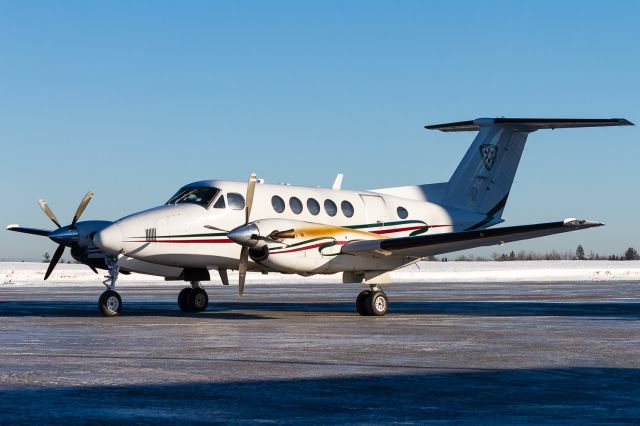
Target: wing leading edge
(431, 245)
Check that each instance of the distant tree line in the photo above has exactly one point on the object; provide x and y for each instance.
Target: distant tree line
(629, 254)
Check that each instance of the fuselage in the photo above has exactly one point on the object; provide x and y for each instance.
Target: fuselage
(191, 232)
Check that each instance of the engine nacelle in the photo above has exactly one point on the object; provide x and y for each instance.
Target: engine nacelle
(305, 248)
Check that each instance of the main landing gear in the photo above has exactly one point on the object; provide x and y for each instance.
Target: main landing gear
(372, 302)
(193, 299)
(110, 302)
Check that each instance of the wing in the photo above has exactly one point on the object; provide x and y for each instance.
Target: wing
(431, 245)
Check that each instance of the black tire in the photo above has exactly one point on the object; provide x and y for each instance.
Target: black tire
(197, 300)
(361, 302)
(182, 299)
(377, 304)
(110, 303)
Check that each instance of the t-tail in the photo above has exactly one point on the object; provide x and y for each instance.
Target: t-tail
(483, 179)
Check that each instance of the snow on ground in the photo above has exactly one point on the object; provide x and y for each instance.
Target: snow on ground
(32, 273)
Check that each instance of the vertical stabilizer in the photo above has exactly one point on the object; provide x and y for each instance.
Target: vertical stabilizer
(483, 179)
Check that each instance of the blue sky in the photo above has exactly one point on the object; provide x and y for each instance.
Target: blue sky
(133, 99)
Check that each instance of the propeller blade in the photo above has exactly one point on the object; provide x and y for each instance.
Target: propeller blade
(215, 228)
(34, 231)
(45, 208)
(81, 207)
(54, 260)
(244, 260)
(251, 187)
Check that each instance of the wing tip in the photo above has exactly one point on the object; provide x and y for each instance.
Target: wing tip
(572, 221)
(12, 226)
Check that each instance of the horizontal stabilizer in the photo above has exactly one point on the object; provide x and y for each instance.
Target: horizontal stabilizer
(431, 245)
(529, 124)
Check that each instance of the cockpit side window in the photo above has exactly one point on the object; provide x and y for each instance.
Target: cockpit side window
(219, 204)
(201, 195)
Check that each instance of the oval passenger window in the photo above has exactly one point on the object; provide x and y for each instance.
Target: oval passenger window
(330, 207)
(277, 203)
(402, 213)
(313, 206)
(347, 208)
(295, 204)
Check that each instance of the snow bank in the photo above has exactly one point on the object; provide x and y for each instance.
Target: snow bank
(32, 274)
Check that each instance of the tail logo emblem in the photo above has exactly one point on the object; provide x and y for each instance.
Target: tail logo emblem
(488, 153)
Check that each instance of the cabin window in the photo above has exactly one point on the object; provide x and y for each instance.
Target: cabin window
(402, 212)
(295, 204)
(277, 203)
(236, 201)
(313, 206)
(330, 207)
(219, 204)
(201, 195)
(347, 208)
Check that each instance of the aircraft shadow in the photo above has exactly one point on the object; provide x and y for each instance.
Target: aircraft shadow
(261, 310)
(534, 396)
(59, 309)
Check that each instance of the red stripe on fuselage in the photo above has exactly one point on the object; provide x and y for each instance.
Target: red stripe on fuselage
(184, 241)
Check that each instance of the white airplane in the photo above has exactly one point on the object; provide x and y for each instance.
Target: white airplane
(254, 226)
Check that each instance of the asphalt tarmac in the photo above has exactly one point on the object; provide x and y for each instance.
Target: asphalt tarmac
(543, 353)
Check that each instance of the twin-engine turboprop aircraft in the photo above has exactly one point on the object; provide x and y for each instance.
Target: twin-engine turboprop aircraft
(254, 226)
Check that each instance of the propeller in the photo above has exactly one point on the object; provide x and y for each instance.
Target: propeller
(244, 253)
(64, 235)
(71, 233)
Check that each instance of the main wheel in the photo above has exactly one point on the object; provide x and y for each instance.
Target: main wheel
(110, 303)
(377, 303)
(197, 300)
(182, 299)
(361, 302)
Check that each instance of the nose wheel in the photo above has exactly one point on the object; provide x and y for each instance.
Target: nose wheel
(372, 303)
(193, 299)
(110, 303)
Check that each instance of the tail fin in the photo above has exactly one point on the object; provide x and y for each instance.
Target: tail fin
(482, 181)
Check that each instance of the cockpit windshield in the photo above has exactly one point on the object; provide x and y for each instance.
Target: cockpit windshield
(201, 195)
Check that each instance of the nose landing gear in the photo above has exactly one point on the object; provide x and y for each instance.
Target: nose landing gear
(110, 302)
(372, 302)
(194, 299)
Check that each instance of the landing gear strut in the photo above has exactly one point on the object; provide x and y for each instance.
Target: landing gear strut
(193, 299)
(372, 302)
(110, 302)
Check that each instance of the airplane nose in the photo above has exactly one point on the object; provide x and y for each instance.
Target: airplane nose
(109, 239)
